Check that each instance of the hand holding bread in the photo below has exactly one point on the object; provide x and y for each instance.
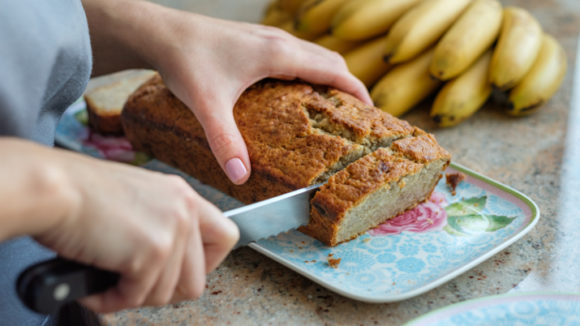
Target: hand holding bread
(211, 62)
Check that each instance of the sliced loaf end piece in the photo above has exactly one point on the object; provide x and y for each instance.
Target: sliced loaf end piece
(376, 188)
(105, 103)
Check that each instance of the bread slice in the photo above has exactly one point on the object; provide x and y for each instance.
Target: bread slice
(299, 135)
(104, 103)
(375, 188)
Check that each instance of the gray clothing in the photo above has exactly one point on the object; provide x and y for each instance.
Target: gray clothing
(45, 64)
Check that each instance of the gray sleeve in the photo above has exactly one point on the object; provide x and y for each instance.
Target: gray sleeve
(45, 64)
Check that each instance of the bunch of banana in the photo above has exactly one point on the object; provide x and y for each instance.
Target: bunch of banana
(406, 50)
(542, 81)
(464, 95)
(469, 37)
(517, 48)
(405, 85)
(526, 64)
(315, 16)
(334, 43)
(366, 62)
(275, 16)
(420, 27)
(365, 19)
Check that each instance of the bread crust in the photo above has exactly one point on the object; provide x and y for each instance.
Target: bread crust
(104, 123)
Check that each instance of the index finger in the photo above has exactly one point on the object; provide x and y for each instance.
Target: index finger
(315, 64)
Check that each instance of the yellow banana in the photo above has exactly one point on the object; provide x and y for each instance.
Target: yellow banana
(315, 16)
(334, 43)
(366, 62)
(364, 19)
(405, 86)
(461, 97)
(518, 45)
(290, 6)
(543, 79)
(469, 37)
(421, 27)
(275, 16)
(289, 27)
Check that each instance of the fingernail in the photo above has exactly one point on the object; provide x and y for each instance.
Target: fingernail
(236, 170)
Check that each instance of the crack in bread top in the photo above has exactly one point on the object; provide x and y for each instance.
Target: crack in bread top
(307, 133)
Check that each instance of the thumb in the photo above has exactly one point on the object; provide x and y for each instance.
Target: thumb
(226, 142)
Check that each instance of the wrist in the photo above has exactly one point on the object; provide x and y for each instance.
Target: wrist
(57, 196)
(37, 191)
(121, 33)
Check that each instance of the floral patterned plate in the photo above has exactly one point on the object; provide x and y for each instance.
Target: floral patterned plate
(520, 309)
(404, 257)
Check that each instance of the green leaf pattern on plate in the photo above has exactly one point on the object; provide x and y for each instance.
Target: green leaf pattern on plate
(467, 217)
(83, 117)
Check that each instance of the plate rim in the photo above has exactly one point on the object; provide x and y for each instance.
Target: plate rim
(534, 218)
(494, 299)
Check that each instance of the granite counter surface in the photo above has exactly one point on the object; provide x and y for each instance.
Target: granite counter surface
(538, 155)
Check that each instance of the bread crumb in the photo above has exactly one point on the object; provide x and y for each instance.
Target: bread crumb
(402, 184)
(333, 262)
(453, 179)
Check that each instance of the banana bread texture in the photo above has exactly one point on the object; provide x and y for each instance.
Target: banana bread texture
(298, 135)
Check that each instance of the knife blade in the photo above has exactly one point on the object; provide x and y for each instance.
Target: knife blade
(272, 216)
(46, 286)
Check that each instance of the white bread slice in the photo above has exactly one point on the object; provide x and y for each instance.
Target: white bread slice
(104, 103)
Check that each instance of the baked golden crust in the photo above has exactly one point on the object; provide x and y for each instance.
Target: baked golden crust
(422, 148)
(297, 135)
(383, 168)
(286, 149)
(109, 124)
(347, 188)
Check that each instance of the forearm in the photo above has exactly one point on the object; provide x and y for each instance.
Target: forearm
(36, 195)
(124, 33)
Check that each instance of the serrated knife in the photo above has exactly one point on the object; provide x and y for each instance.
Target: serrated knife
(45, 287)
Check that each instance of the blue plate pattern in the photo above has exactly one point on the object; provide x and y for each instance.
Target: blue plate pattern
(521, 309)
(482, 218)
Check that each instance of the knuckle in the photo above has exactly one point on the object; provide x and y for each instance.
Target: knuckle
(231, 236)
(339, 59)
(134, 301)
(136, 264)
(273, 33)
(270, 31)
(177, 182)
(195, 290)
(278, 46)
(183, 221)
(159, 300)
(221, 142)
(161, 249)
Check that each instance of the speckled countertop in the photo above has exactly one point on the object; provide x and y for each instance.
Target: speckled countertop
(538, 155)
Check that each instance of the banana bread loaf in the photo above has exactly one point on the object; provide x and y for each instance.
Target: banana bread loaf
(298, 135)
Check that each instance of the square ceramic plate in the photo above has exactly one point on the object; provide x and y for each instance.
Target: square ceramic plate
(530, 309)
(408, 255)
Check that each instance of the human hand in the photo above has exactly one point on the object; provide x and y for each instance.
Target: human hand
(208, 63)
(152, 228)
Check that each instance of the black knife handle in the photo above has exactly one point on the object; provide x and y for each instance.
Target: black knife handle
(48, 285)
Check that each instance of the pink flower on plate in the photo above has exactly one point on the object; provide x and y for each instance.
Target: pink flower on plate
(110, 147)
(427, 216)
